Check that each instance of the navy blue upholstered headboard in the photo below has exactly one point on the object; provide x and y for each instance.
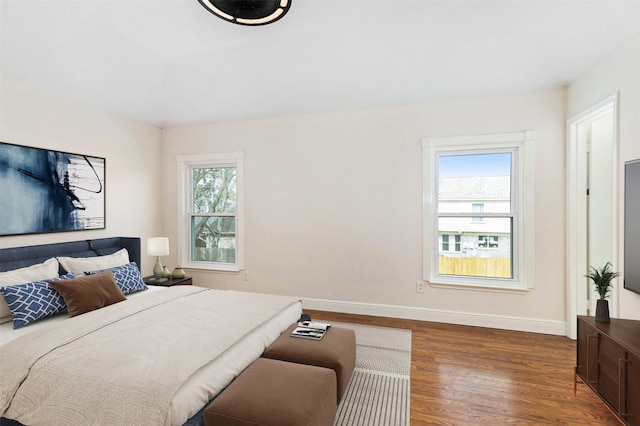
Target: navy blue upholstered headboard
(18, 257)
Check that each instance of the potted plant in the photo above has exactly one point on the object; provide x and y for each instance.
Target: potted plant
(602, 280)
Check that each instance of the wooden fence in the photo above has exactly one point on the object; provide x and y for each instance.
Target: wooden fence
(475, 266)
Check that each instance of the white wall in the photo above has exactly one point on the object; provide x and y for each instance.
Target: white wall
(619, 72)
(334, 207)
(333, 201)
(33, 117)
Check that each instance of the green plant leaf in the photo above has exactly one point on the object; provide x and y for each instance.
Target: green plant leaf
(602, 279)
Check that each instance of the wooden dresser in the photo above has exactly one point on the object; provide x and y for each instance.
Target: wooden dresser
(608, 360)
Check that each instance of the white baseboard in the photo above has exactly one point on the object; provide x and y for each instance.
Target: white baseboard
(532, 325)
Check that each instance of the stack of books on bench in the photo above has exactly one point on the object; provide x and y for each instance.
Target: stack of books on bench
(311, 330)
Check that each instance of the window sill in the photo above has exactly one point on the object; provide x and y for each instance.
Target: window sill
(213, 268)
(480, 287)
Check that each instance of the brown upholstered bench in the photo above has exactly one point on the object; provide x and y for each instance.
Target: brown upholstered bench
(336, 350)
(276, 393)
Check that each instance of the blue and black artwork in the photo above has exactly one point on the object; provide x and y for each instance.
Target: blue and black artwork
(49, 191)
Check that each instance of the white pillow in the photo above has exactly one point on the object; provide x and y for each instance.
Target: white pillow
(80, 265)
(41, 271)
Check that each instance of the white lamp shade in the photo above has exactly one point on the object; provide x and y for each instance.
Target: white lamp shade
(158, 246)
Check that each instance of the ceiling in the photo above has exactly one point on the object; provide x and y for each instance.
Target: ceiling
(171, 62)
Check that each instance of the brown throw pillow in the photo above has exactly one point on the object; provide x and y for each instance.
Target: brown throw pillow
(89, 292)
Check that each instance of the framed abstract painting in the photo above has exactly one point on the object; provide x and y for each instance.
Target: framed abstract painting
(50, 191)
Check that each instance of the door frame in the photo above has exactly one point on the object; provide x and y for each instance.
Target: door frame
(577, 200)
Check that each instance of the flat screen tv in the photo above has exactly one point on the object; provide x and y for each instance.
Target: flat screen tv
(632, 226)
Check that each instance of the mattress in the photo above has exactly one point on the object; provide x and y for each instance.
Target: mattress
(212, 377)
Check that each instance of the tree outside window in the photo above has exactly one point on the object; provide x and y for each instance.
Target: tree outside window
(211, 217)
(213, 221)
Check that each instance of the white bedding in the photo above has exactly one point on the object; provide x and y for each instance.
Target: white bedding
(206, 381)
(7, 333)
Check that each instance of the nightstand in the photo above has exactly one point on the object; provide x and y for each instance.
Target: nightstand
(169, 282)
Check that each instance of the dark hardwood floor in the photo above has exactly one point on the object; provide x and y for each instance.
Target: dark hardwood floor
(478, 376)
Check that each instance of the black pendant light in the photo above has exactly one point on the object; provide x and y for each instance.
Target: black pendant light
(248, 12)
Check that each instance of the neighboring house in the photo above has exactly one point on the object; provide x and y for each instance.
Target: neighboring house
(480, 236)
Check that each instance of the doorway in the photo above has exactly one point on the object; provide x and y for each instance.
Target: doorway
(592, 205)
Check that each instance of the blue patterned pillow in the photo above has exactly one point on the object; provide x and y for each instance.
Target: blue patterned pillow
(127, 277)
(33, 301)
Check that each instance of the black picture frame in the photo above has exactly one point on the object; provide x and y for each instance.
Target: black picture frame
(44, 191)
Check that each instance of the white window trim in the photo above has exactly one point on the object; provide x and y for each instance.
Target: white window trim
(524, 243)
(185, 163)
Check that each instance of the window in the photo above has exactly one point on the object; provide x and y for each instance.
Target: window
(488, 241)
(211, 217)
(446, 242)
(465, 176)
(478, 208)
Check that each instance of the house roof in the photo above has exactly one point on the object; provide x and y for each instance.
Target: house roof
(475, 188)
(171, 62)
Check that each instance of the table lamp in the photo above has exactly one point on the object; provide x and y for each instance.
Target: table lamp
(158, 246)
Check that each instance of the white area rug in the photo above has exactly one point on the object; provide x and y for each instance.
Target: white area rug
(378, 393)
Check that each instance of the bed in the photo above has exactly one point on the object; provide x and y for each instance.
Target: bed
(158, 356)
